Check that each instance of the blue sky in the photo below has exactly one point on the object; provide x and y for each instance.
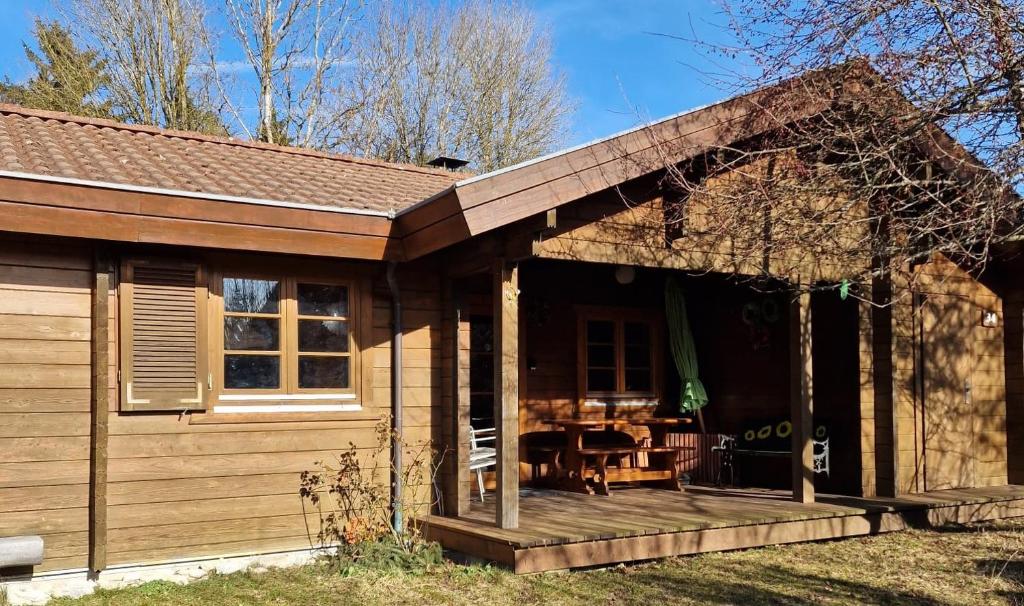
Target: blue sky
(618, 71)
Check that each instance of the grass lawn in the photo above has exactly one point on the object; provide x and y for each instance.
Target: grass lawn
(978, 564)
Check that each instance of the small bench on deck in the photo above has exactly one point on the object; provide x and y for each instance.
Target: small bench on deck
(602, 475)
(769, 439)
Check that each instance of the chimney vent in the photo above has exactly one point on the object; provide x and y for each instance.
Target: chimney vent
(447, 163)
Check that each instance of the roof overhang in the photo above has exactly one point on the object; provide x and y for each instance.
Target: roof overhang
(40, 204)
(486, 202)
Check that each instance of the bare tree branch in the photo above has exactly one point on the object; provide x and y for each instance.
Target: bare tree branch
(472, 80)
(149, 48)
(295, 49)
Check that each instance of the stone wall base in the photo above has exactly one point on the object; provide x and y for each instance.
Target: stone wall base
(39, 589)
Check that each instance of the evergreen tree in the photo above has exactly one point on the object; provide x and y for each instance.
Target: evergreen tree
(67, 79)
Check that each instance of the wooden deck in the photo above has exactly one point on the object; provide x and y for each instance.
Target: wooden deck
(560, 530)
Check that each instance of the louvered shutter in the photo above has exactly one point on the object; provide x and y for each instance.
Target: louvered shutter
(163, 355)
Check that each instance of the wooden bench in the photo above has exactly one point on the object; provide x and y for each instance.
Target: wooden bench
(729, 451)
(666, 472)
(576, 471)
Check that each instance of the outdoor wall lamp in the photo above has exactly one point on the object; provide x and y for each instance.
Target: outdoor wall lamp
(625, 274)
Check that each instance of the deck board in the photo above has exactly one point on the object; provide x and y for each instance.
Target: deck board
(567, 530)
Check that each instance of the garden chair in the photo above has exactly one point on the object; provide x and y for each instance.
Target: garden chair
(481, 455)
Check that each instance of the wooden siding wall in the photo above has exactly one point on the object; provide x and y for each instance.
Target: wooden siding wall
(454, 400)
(627, 225)
(899, 426)
(868, 337)
(725, 344)
(987, 376)
(550, 327)
(177, 487)
(44, 396)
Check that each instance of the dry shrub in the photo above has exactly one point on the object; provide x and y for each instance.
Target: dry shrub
(352, 496)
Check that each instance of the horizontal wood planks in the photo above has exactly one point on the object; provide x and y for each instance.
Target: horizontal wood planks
(44, 396)
(561, 530)
(178, 485)
(984, 358)
(183, 487)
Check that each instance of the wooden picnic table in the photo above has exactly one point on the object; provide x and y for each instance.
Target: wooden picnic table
(661, 467)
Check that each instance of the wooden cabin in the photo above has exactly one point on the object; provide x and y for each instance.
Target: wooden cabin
(188, 322)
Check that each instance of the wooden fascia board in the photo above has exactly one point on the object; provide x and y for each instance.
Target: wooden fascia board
(106, 214)
(511, 196)
(432, 226)
(428, 212)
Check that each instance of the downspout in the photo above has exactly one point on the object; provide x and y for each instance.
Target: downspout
(396, 400)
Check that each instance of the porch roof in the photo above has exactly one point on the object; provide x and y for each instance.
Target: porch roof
(483, 203)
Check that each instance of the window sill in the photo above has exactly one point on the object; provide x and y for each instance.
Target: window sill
(283, 406)
(216, 417)
(623, 401)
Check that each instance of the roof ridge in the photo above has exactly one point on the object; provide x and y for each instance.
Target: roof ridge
(10, 108)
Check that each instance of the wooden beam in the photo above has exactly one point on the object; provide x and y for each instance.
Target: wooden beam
(1013, 360)
(100, 407)
(886, 438)
(506, 391)
(456, 364)
(801, 398)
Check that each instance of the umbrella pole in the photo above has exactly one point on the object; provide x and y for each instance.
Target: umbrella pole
(700, 421)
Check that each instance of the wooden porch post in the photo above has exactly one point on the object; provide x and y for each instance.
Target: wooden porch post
(801, 400)
(506, 391)
(455, 396)
(99, 360)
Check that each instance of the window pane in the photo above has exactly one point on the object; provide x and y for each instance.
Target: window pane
(638, 356)
(252, 372)
(600, 380)
(601, 355)
(323, 300)
(481, 334)
(636, 333)
(252, 296)
(317, 372)
(638, 380)
(260, 334)
(600, 331)
(323, 335)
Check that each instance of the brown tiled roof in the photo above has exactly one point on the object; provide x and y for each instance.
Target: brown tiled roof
(62, 145)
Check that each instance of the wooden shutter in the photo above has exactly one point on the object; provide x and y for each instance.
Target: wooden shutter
(163, 354)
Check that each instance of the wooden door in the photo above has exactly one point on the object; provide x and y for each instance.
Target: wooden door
(947, 324)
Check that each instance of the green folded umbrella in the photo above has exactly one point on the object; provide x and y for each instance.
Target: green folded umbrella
(693, 397)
